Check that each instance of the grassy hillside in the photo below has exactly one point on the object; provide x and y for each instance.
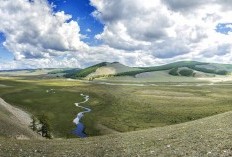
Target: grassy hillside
(103, 69)
(186, 71)
(111, 69)
(205, 137)
(163, 67)
(219, 69)
(117, 69)
(85, 72)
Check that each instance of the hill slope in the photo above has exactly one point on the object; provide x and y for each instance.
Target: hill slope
(104, 68)
(220, 69)
(14, 122)
(184, 68)
(205, 137)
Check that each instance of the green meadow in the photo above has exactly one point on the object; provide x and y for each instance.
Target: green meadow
(115, 107)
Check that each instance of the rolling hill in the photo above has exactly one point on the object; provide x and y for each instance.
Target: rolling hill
(118, 69)
(104, 69)
(183, 71)
(219, 69)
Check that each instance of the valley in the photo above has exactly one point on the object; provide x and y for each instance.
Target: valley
(122, 108)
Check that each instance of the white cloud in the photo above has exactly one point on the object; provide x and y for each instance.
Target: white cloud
(33, 30)
(165, 29)
(88, 30)
(51, 62)
(89, 57)
(136, 33)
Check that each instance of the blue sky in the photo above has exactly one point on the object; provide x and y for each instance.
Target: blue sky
(133, 32)
(4, 53)
(224, 28)
(81, 11)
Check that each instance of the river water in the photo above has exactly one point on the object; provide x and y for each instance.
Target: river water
(80, 128)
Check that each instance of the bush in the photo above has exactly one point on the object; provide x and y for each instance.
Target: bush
(174, 72)
(222, 72)
(45, 128)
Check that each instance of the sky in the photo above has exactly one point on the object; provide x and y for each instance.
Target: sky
(80, 33)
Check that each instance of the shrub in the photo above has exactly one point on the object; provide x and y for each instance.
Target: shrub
(174, 72)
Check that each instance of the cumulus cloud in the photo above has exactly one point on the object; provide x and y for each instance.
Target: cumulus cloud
(188, 6)
(183, 5)
(134, 26)
(33, 30)
(136, 33)
(219, 50)
(66, 61)
(81, 60)
(169, 29)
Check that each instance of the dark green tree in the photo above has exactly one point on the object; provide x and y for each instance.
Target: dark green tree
(34, 123)
(174, 72)
(45, 128)
(186, 72)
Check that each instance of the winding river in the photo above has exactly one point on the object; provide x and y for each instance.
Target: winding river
(79, 131)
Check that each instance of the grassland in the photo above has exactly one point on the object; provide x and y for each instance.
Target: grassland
(117, 107)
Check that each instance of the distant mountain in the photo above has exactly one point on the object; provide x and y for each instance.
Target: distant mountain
(15, 70)
(182, 68)
(211, 68)
(40, 72)
(162, 67)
